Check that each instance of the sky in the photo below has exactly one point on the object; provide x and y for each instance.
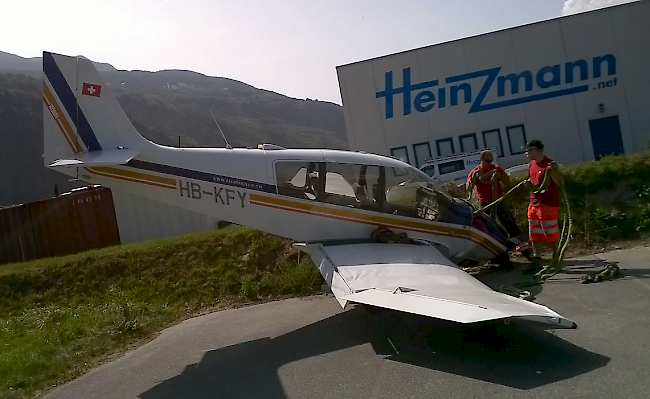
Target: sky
(288, 46)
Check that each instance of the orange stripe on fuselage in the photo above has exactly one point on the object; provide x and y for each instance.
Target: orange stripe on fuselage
(138, 177)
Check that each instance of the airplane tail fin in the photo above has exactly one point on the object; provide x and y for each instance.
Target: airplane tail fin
(83, 124)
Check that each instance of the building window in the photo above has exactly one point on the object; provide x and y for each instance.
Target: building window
(445, 147)
(400, 153)
(516, 139)
(468, 142)
(492, 140)
(422, 153)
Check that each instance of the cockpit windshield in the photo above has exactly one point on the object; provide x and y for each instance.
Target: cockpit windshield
(410, 192)
(403, 191)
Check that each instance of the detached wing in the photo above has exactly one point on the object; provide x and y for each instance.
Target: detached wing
(419, 279)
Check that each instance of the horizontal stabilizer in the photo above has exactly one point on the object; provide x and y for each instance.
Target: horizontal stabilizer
(98, 158)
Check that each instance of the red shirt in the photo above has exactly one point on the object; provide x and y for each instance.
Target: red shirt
(536, 172)
(484, 190)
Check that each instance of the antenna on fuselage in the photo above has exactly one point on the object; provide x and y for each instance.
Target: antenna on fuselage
(228, 146)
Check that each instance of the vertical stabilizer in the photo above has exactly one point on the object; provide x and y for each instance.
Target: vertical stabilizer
(80, 115)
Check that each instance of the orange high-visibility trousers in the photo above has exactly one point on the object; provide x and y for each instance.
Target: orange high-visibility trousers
(542, 223)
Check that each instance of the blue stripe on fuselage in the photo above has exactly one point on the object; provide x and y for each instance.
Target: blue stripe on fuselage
(203, 176)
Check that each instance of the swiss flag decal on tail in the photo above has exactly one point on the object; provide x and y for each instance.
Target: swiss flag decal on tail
(90, 89)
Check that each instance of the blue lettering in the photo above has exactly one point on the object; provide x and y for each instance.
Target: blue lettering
(424, 101)
(459, 89)
(513, 78)
(467, 90)
(406, 89)
(555, 77)
(611, 65)
(584, 70)
(442, 98)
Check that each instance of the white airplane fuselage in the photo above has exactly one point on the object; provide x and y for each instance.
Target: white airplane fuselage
(305, 195)
(239, 185)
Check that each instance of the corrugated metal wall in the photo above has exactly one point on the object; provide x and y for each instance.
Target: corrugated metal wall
(71, 223)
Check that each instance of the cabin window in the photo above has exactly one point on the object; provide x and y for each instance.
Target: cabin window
(468, 142)
(445, 147)
(516, 139)
(422, 153)
(492, 140)
(352, 185)
(299, 179)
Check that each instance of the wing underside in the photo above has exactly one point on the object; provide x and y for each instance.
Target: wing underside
(419, 279)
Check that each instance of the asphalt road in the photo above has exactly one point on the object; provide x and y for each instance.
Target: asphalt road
(310, 348)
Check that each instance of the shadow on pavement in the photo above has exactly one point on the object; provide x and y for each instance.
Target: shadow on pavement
(517, 356)
(503, 354)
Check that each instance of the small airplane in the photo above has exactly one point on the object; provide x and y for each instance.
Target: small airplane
(330, 201)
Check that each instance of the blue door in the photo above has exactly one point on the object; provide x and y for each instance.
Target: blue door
(606, 136)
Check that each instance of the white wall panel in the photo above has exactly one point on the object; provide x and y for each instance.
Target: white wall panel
(363, 114)
(140, 219)
(632, 35)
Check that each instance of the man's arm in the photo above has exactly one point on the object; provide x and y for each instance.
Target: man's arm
(554, 174)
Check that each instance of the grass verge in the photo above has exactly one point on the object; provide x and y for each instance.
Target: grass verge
(61, 316)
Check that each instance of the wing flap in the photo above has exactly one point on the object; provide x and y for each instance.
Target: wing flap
(418, 279)
(97, 158)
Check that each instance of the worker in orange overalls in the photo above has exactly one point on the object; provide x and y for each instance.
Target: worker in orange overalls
(544, 205)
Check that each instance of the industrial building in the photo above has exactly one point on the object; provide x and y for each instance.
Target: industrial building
(580, 84)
